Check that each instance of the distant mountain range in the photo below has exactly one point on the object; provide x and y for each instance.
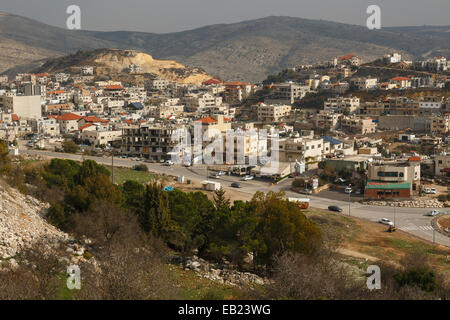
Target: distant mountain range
(246, 51)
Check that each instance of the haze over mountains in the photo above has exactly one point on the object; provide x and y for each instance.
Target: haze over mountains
(246, 51)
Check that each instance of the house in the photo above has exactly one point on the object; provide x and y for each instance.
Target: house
(68, 122)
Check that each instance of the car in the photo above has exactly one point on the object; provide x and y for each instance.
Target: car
(334, 208)
(236, 185)
(348, 190)
(432, 213)
(386, 221)
(187, 164)
(214, 176)
(306, 191)
(169, 163)
(247, 177)
(221, 173)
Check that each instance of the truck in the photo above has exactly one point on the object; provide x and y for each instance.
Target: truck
(303, 203)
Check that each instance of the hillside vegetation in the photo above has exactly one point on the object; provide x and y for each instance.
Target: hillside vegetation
(248, 50)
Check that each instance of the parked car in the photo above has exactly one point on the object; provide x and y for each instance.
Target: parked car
(214, 176)
(348, 190)
(334, 208)
(221, 173)
(432, 213)
(236, 185)
(429, 190)
(386, 221)
(169, 163)
(306, 191)
(247, 177)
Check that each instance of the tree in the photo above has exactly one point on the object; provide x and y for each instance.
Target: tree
(69, 146)
(220, 201)
(282, 227)
(155, 219)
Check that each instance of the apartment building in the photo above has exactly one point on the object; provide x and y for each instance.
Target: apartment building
(346, 105)
(163, 111)
(358, 125)
(440, 125)
(26, 107)
(431, 104)
(289, 92)
(200, 102)
(363, 83)
(272, 113)
(393, 179)
(100, 137)
(153, 142)
(327, 121)
(442, 164)
(292, 149)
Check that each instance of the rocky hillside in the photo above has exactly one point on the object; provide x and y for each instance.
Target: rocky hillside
(113, 61)
(247, 51)
(21, 222)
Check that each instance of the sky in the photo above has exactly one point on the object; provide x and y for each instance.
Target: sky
(164, 16)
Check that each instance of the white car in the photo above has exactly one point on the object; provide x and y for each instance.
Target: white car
(348, 190)
(433, 213)
(386, 221)
(221, 173)
(247, 177)
(169, 163)
(214, 176)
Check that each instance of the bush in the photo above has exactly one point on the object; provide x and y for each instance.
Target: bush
(69, 146)
(141, 167)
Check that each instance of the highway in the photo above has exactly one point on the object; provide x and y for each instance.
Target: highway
(411, 220)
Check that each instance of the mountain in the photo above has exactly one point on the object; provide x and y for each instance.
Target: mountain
(245, 51)
(114, 62)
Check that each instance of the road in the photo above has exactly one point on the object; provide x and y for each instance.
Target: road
(411, 220)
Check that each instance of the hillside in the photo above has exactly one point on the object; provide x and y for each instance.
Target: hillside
(111, 62)
(246, 51)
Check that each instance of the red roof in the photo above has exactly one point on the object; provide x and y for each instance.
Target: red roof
(94, 119)
(128, 121)
(86, 126)
(114, 87)
(414, 159)
(207, 120)
(348, 56)
(57, 92)
(400, 78)
(69, 116)
(14, 117)
(210, 82)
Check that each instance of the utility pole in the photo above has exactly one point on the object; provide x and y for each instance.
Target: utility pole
(112, 166)
(395, 212)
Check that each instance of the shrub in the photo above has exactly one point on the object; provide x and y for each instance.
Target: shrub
(141, 167)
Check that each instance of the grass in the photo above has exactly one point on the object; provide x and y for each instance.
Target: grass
(124, 174)
(370, 238)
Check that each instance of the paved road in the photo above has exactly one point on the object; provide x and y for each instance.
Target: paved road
(411, 220)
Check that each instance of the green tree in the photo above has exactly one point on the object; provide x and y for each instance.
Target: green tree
(155, 218)
(69, 146)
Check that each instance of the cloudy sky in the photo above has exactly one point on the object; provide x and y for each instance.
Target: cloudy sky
(163, 16)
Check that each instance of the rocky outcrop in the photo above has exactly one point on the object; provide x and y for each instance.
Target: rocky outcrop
(220, 272)
(22, 223)
(428, 203)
